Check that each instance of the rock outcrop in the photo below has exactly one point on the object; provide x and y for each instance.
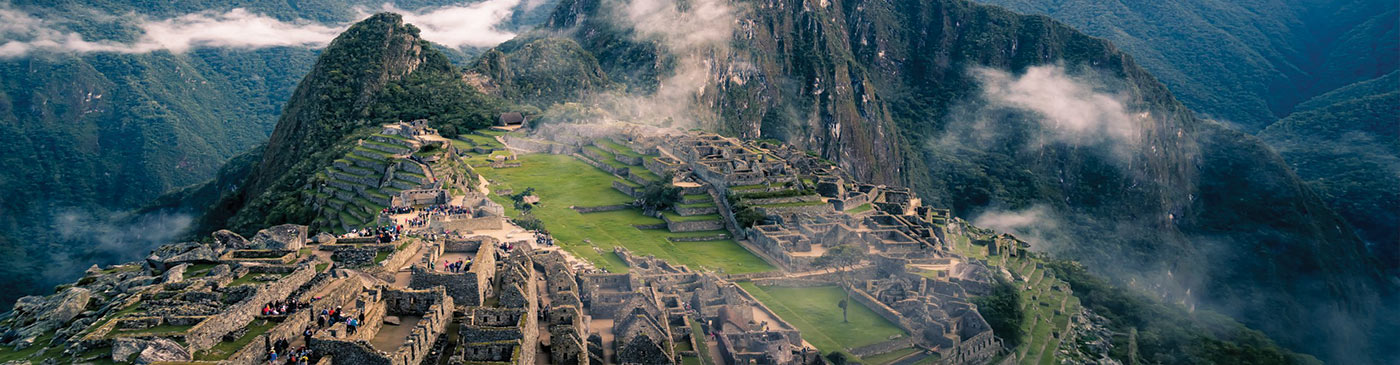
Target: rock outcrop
(283, 237)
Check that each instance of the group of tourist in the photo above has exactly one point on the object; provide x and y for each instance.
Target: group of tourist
(281, 352)
(542, 238)
(277, 308)
(445, 209)
(506, 246)
(329, 317)
(456, 267)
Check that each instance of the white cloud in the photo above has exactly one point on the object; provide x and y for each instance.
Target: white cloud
(476, 25)
(1070, 110)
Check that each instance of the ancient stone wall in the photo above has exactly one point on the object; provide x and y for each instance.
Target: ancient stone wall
(358, 352)
(604, 208)
(625, 189)
(797, 209)
(462, 287)
(355, 256)
(883, 346)
(210, 332)
(781, 200)
(884, 311)
(402, 257)
(468, 224)
(435, 319)
(290, 328)
(689, 211)
(692, 226)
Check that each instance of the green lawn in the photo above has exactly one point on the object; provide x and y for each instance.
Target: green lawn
(861, 209)
(562, 181)
(890, 357)
(694, 218)
(815, 312)
(618, 148)
(793, 204)
(157, 330)
(249, 278)
(222, 350)
(702, 348)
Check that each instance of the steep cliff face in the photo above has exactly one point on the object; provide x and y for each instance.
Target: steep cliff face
(541, 71)
(338, 91)
(335, 101)
(943, 96)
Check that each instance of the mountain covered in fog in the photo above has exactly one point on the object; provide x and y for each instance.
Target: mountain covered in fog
(1021, 123)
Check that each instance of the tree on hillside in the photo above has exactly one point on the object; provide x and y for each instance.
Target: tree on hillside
(519, 199)
(842, 258)
(659, 195)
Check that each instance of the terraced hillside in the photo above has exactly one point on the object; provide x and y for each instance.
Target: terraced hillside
(584, 204)
(355, 188)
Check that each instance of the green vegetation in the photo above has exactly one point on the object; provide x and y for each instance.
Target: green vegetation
(1345, 144)
(861, 209)
(1002, 310)
(249, 279)
(1167, 334)
(890, 357)
(9, 354)
(618, 148)
(562, 182)
(793, 204)
(542, 71)
(157, 330)
(659, 196)
(694, 218)
(771, 194)
(815, 312)
(1237, 61)
(222, 350)
(702, 347)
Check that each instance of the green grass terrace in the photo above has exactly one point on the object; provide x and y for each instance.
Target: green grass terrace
(814, 311)
(563, 182)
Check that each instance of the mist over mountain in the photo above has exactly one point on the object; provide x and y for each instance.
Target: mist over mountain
(1015, 122)
(110, 104)
(957, 100)
(1242, 62)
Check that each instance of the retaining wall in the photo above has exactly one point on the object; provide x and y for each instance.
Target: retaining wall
(693, 226)
(210, 332)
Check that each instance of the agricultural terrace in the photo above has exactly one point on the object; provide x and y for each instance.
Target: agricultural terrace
(814, 311)
(1047, 311)
(563, 182)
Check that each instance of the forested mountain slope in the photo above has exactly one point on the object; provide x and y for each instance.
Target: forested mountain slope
(93, 134)
(1346, 144)
(1246, 62)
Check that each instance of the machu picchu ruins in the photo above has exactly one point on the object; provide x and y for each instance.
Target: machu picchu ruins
(418, 255)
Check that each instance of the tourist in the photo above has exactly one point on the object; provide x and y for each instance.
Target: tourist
(272, 357)
(306, 334)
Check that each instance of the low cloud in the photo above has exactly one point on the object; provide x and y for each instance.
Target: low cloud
(694, 36)
(123, 237)
(1038, 224)
(1074, 110)
(90, 238)
(471, 25)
